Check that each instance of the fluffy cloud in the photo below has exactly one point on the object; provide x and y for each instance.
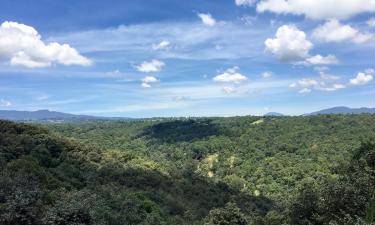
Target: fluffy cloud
(307, 85)
(333, 87)
(152, 66)
(362, 78)
(229, 90)
(334, 31)
(245, 2)
(267, 74)
(305, 90)
(161, 45)
(318, 9)
(146, 85)
(371, 22)
(322, 60)
(5, 103)
(289, 45)
(149, 79)
(22, 45)
(146, 81)
(230, 75)
(207, 19)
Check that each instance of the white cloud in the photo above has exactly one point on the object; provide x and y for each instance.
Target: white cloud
(160, 46)
(229, 90)
(5, 103)
(334, 31)
(305, 90)
(289, 45)
(230, 75)
(361, 79)
(318, 9)
(207, 19)
(267, 74)
(149, 79)
(145, 85)
(322, 60)
(307, 85)
(22, 45)
(152, 66)
(326, 76)
(333, 87)
(371, 22)
(245, 2)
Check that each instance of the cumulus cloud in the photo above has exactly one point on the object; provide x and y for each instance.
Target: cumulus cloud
(245, 2)
(149, 79)
(230, 75)
(333, 87)
(306, 85)
(160, 46)
(371, 22)
(152, 66)
(146, 81)
(22, 45)
(305, 90)
(334, 31)
(362, 78)
(5, 103)
(318, 9)
(207, 19)
(322, 60)
(267, 74)
(145, 85)
(229, 90)
(289, 45)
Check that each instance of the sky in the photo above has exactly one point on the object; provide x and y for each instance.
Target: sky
(186, 58)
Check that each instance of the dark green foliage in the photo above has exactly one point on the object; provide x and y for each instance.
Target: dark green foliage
(242, 170)
(228, 215)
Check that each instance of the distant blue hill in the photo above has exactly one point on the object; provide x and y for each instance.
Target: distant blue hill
(40, 115)
(273, 114)
(344, 110)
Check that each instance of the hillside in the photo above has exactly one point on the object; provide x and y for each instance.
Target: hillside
(39, 115)
(344, 110)
(242, 170)
(273, 114)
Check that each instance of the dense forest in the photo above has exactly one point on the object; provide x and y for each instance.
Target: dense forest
(308, 170)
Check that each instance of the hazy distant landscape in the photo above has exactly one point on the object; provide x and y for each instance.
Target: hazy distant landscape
(197, 112)
(52, 116)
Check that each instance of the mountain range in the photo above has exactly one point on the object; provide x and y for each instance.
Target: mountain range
(344, 110)
(46, 115)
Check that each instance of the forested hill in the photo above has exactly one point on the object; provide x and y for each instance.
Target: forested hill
(241, 170)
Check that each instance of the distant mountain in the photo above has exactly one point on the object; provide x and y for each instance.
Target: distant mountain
(40, 115)
(273, 114)
(344, 110)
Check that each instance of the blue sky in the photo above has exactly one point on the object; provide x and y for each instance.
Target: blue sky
(186, 58)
